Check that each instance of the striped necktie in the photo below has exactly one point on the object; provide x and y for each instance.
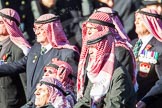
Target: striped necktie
(0, 48)
(43, 50)
(137, 47)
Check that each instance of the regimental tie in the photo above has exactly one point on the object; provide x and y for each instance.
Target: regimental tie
(137, 47)
(0, 48)
(43, 50)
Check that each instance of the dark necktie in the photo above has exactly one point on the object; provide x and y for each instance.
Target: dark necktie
(43, 50)
(0, 48)
(137, 47)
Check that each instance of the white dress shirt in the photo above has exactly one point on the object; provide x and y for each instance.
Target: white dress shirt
(145, 41)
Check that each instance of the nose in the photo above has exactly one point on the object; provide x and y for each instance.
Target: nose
(136, 21)
(110, 3)
(46, 74)
(159, 8)
(36, 31)
(36, 92)
(90, 51)
(89, 31)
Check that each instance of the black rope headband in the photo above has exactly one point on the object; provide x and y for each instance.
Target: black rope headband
(57, 67)
(150, 14)
(89, 42)
(101, 22)
(53, 85)
(48, 20)
(114, 13)
(53, 65)
(11, 18)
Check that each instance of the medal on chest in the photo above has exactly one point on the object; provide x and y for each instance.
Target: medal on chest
(146, 59)
(144, 69)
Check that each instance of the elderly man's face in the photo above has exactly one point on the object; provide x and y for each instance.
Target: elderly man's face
(141, 30)
(3, 30)
(42, 95)
(41, 34)
(50, 72)
(54, 73)
(91, 29)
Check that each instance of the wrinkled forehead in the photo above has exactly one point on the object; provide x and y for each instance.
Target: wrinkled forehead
(93, 25)
(37, 25)
(40, 85)
(51, 67)
(89, 25)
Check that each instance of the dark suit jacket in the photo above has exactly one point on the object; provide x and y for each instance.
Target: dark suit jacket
(154, 95)
(125, 59)
(34, 64)
(146, 83)
(120, 93)
(12, 94)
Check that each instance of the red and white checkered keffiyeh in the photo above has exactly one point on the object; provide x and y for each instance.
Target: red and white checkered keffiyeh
(56, 97)
(55, 33)
(64, 75)
(64, 71)
(103, 68)
(153, 24)
(116, 22)
(121, 39)
(15, 33)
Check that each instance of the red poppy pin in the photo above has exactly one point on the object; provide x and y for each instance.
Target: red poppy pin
(5, 57)
(148, 47)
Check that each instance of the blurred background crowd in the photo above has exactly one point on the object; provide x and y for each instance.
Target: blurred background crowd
(72, 13)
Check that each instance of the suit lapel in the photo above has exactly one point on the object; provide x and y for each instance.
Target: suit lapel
(37, 75)
(33, 56)
(152, 42)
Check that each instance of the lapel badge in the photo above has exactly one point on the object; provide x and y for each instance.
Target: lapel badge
(148, 47)
(35, 58)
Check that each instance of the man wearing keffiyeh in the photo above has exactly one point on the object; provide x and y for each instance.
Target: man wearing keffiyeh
(49, 34)
(50, 94)
(101, 82)
(123, 48)
(13, 47)
(149, 59)
(153, 4)
(63, 72)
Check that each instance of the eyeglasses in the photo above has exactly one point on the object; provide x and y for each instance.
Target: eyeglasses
(50, 71)
(38, 29)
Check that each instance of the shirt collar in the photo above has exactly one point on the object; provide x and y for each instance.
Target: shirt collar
(147, 38)
(48, 47)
